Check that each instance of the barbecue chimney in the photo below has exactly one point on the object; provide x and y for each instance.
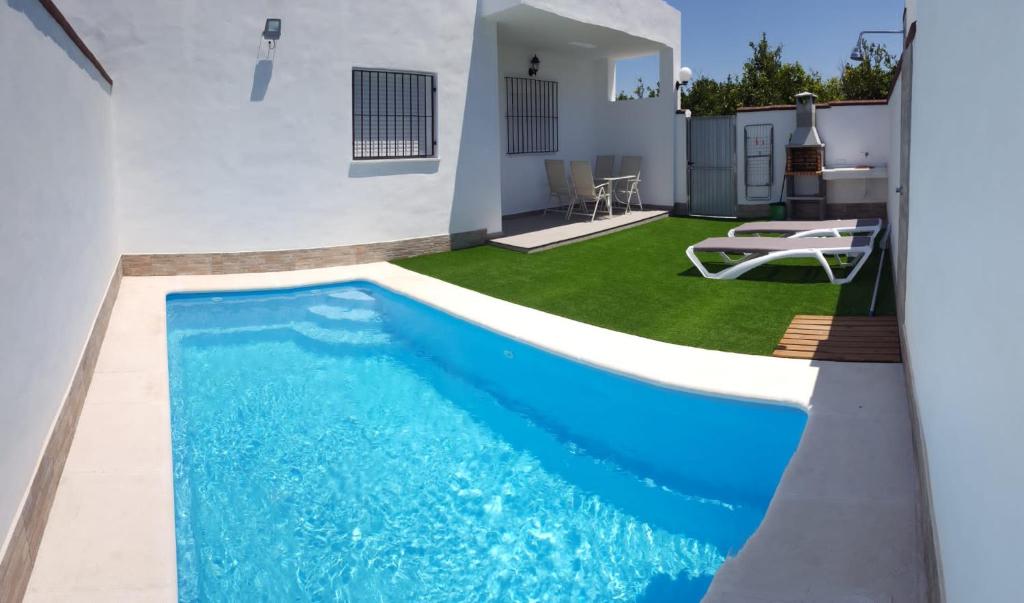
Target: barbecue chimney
(806, 134)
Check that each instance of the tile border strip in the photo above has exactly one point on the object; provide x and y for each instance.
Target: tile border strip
(30, 521)
(176, 264)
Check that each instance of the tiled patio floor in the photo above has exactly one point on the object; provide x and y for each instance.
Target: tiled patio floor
(531, 233)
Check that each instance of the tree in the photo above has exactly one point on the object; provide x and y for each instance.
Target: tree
(710, 97)
(641, 91)
(872, 77)
(769, 80)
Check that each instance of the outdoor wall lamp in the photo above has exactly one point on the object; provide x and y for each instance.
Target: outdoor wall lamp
(858, 55)
(684, 77)
(271, 33)
(534, 66)
(272, 30)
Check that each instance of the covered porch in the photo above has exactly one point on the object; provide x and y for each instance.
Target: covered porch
(562, 107)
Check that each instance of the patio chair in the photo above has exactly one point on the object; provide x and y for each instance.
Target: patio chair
(558, 185)
(605, 167)
(585, 192)
(812, 228)
(758, 251)
(630, 189)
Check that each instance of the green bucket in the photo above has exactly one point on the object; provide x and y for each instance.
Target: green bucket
(778, 211)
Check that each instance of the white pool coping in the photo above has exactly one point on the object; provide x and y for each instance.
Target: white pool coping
(842, 526)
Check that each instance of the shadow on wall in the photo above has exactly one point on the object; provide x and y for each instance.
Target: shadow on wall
(476, 195)
(261, 75)
(42, 21)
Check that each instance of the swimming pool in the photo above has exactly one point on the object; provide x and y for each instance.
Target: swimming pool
(347, 443)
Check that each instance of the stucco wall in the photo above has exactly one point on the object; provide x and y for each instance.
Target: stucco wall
(963, 313)
(580, 94)
(893, 197)
(848, 131)
(645, 127)
(204, 165)
(650, 19)
(58, 247)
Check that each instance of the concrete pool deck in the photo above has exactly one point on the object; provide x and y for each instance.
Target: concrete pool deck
(843, 525)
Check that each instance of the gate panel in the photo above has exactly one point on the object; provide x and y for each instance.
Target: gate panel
(712, 166)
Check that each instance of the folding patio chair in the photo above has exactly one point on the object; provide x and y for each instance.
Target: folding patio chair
(584, 192)
(630, 189)
(558, 185)
(605, 167)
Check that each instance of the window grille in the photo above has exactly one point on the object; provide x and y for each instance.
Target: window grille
(531, 115)
(393, 114)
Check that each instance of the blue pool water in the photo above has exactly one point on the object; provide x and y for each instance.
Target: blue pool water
(347, 443)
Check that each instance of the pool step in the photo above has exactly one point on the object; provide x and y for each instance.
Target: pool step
(343, 313)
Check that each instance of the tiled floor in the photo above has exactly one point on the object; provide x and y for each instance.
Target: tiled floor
(531, 233)
(842, 526)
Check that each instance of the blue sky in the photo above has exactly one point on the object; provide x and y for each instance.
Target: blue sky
(818, 34)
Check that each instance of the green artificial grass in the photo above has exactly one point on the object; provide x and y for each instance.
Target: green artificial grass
(639, 281)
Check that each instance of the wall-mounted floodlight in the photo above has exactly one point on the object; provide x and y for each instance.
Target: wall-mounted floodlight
(685, 74)
(272, 30)
(271, 34)
(858, 54)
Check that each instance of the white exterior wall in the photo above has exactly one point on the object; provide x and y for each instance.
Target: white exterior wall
(893, 197)
(963, 313)
(203, 168)
(58, 244)
(580, 97)
(646, 127)
(589, 125)
(653, 20)
(783, 123)
(848, 131)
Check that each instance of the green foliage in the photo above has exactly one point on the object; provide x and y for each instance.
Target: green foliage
(641, 91)
(872, 77)
(711, 97)
(767, 79)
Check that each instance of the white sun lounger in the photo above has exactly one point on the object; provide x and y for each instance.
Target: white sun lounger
(812, 228)
(758, 251)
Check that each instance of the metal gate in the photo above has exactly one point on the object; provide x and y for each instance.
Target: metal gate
(711, 148)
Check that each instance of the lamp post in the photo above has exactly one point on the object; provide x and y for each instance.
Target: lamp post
(685, 74)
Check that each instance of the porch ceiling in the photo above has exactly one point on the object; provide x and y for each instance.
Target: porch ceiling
(537, 29)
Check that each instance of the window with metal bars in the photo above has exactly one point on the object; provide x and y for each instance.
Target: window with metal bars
(393, 114)
(531, 115)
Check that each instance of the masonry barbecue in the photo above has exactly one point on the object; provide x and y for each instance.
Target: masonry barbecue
(805, 156)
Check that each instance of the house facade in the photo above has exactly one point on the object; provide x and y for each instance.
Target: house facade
(223, 144)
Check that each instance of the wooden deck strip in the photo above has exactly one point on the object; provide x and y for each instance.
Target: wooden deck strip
(841, 338)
